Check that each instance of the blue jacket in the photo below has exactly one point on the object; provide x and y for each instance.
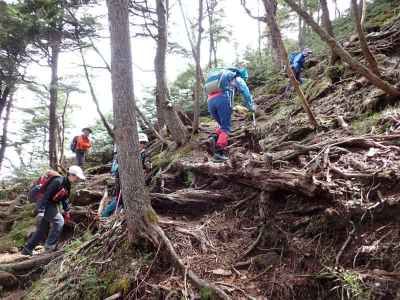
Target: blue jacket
(229, 82)
(297, 61)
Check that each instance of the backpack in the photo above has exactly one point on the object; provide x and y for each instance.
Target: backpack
(292, 56)
(38, 187)
(213, 83)
(73, 144)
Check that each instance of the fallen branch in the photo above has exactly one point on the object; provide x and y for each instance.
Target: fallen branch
(347, 241)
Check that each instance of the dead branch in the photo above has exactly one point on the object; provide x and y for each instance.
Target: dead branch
(347, 241)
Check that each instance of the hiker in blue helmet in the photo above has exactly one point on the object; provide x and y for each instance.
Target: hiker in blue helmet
(220, 87)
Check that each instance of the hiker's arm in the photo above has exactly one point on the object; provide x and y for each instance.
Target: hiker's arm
(65, 204)
(241, 85)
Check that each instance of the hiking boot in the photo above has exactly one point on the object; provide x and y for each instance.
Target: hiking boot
(212, 141)
(26, 252)
(220, 156)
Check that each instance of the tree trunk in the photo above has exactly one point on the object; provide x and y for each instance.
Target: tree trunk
(4, 93)
(301, 30)
(55, 41)
(3, 140)
(270, 8)
(174, 124)
(94, 97)
(212, 51)
(363, 41)
(275, 36)
(328, 28)
(140, 214)
(199, 76)
(363, 13)
(344, 55)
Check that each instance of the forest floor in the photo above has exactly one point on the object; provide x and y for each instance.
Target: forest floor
(296, 213)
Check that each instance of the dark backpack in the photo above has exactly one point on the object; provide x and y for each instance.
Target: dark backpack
(38, 187)
(73, 144)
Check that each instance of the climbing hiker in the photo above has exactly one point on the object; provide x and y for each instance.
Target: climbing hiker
(55, 192)
(116, 202)
(220, 88)
(80, 145)
(297, 60)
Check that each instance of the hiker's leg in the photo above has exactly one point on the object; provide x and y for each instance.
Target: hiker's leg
(56, 221)
(80, 158)
(213, 110)
(56, 226)
(38, 236)
(224, 113)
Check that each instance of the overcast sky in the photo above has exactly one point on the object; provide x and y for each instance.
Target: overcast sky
(244, 34)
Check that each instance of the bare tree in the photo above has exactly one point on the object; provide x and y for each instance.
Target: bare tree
(344, 55)
(270, 8)
(355, 8)
(4, 136)
(177, 129)
(212, 50)
(196, 47)
(273, 36)
(328, 28)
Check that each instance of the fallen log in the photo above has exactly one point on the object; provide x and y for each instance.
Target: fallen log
(86, 197)
(257, 177)
(30, 264)
(190, 201)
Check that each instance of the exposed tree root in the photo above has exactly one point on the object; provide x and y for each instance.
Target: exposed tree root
(200, 283)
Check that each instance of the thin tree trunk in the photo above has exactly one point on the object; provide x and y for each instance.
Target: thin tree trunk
(3, 97)
(275, 36)
(174, 124)
(212, 51)
(199, 79)
(94, 97)
(259, 37)
(363, 13)
(139, 212)
(270, 9)
(62, 130)
(363, 41)
(55, 51)
(328, 28)
(301, 31)
(3, 140)
(344, 55)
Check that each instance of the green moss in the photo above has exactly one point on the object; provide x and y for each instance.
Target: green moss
(166, 157)
(365, 122)
(151, 216)
(120, 284)
(207, 294)
(24, 223)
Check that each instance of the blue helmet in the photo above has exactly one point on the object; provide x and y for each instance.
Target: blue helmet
(243, 73)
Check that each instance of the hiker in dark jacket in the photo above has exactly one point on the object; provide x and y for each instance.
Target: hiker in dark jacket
(56, 192)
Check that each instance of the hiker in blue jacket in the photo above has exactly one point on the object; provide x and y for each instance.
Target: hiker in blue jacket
(220, 88)
(297, 60)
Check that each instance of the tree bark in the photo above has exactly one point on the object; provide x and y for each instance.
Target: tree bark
(212, 51)
(270, 8)
(177, 129)
(55, 42)
(301, 30)
(94, 97)
(344, 55)
(363, 41)
(363, 13)
(199, 76)
(275, 36)
(3, 140)
(328, 28)
(139, 213)
(4, 96)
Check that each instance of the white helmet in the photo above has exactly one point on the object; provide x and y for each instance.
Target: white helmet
(77, 171)
(307, 51)
(143, 137)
